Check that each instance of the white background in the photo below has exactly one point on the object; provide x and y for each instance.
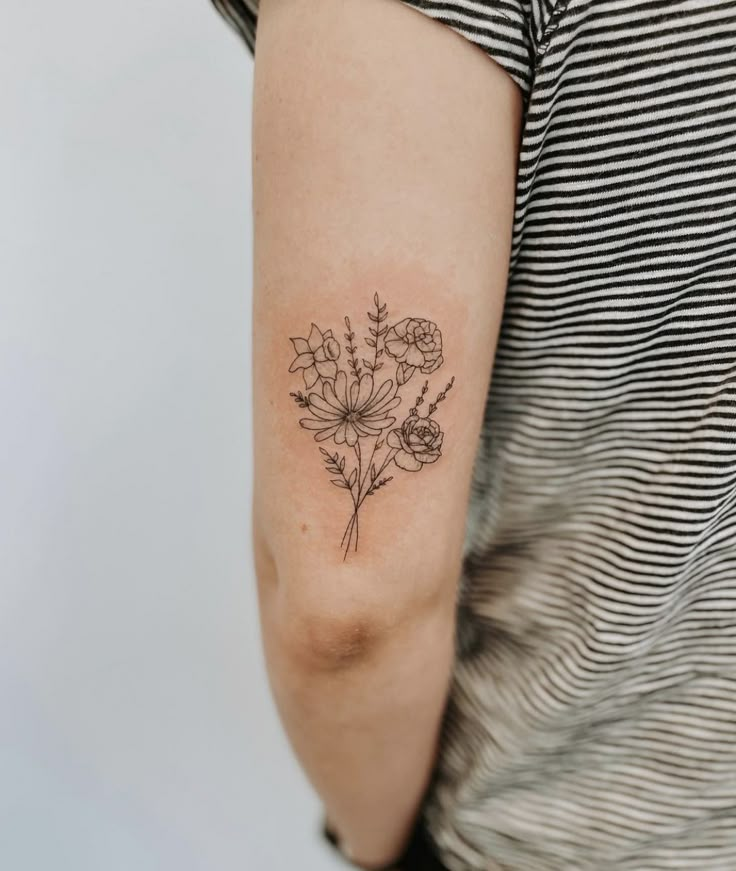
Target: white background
(136, 727)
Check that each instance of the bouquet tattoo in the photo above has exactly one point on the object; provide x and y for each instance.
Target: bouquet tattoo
(352, 406)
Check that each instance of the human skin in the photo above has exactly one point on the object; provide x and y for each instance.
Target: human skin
(384, 161)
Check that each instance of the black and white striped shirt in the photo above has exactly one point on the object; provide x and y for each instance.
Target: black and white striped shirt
(591, 723)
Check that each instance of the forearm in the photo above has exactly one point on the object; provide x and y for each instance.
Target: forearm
(363, 718)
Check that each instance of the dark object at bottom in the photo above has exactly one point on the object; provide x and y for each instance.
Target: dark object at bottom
(419, 855)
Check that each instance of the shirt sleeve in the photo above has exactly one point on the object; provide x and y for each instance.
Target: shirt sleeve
(507, 30)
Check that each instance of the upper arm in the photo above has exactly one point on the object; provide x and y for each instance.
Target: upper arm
(384, 163)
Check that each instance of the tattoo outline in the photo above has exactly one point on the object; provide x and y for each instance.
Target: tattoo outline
(352, 406)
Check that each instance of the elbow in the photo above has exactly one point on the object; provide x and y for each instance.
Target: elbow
(326, 625)
(330, 641)
(327, 618)
(329, 624)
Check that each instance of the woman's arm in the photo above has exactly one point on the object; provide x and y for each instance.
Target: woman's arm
(384, 166)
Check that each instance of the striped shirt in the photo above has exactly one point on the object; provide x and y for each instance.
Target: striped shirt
(591, 722)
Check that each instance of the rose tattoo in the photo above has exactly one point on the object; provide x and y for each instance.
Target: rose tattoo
(355, 409)
(417, 441)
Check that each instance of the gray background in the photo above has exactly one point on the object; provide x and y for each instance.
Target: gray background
(136, 726)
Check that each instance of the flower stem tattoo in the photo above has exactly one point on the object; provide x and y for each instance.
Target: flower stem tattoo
(352, 407)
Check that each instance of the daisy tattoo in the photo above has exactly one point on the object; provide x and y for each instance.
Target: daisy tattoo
(354, 406)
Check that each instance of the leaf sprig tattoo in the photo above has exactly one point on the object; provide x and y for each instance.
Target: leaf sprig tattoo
(350, 408)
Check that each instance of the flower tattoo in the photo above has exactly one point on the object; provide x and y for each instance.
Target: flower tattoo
(418, 441)
(355, 409)
(316, 356)
(349, 413)
(415, 344)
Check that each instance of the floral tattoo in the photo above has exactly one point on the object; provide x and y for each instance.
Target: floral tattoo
(354, 408)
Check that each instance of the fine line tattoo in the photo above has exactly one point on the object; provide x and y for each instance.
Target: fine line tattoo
(352, 406)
